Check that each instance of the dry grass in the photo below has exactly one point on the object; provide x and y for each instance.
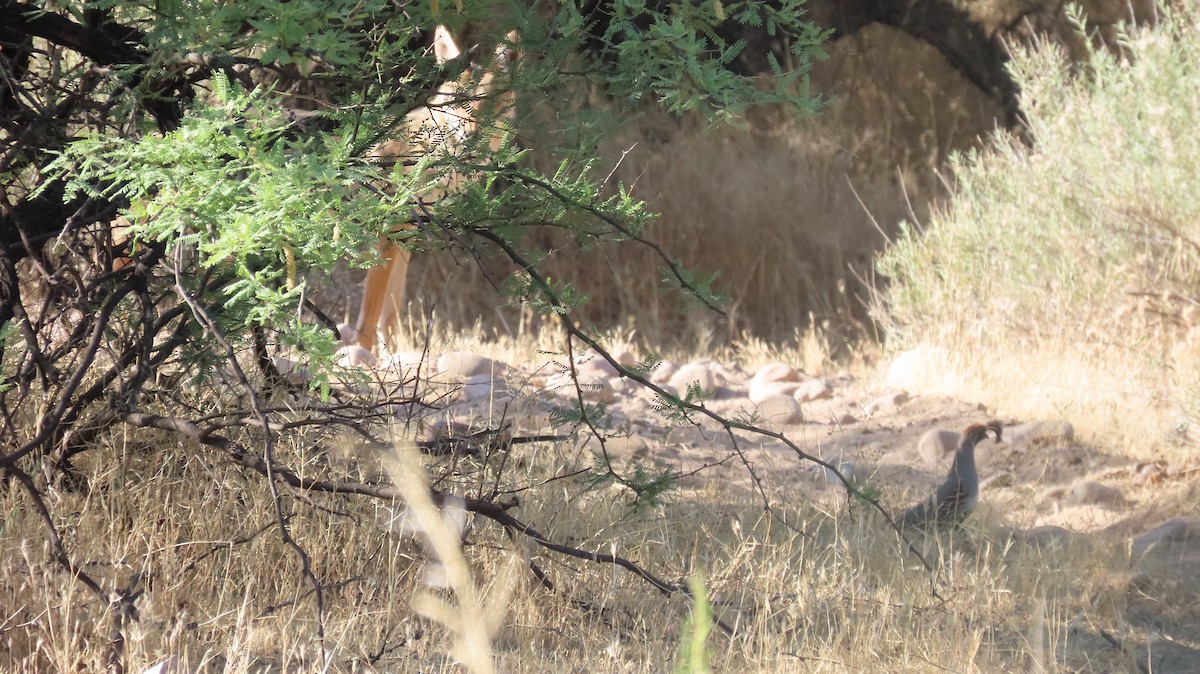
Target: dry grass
(222, 593)
(835, 593)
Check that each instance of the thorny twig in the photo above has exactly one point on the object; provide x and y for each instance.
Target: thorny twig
(210, 326)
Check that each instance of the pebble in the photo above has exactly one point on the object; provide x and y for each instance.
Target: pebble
(464, 364)
(887, 402)
(776, 372)
(482, 387)
(1048, 535)
(1168, 538)
(918, 369)
(780, 410)
(813, 389)
(354, 356)
(295, 374)
(663, 372)
(846, 468)
(936, 444)
(1087, 492)
(595, 364)
(694, 373)
(764, 390)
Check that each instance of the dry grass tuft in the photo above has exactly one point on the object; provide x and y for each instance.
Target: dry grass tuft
(835, 593)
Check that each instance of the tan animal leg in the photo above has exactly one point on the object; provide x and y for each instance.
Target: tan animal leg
(378, 294)
(393, 306)
(451, 116)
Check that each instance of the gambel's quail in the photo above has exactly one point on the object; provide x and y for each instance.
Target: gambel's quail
(957, 496)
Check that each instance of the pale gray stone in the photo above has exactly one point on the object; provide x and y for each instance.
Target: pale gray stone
(813, 389)
(936, 444)
(1169, 539)
(777, 372)
(780, 410)
(1087, 492)
(764, 390)
(354, 356)
(886, 403)
(919, 369)
(596, 364)
(846, 468)
(1048, 536)
(483, 387)
(463, 364)
(699, 373)
(662, 374)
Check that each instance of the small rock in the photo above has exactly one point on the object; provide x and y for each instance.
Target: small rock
(1168, 538)
(776, 372)
(485, 387)
(293, 372)
(625, 357)
(813, 389)
(663, 372)
(634, 445)
(763, 390)
(354, 356)
(887, 402)
(1048, 535)
(595, 364)
(846, 468)
(936, 444)
(919, 369)
(693, 373)
(595, 386)
(463, 364)
(847, 419)
(780, 410)
(1087, 492)
(599, 389)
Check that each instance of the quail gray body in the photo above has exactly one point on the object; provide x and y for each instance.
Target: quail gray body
(958, 494)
